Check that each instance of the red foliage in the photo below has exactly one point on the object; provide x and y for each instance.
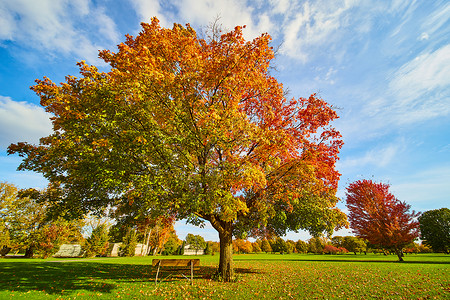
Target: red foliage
(342, 250)
(379, 217)
(330, 249)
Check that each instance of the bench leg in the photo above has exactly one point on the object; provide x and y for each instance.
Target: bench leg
(192, 272)
(157, 272)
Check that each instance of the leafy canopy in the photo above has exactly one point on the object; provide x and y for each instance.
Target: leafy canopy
(435, 229)
(193, 128)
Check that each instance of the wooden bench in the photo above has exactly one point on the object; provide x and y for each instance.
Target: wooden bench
(176, 263)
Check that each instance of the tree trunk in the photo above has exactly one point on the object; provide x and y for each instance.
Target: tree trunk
(399, 254)
(225, 229)
(29, 252)
(5, 250)
(226, 270)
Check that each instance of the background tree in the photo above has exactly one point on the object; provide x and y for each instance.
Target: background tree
(265, 246)
(337, 241)
(49, 238)
(377, 216)
(195, 128)
(351, 243)
(354, 244)
(290, 245)
(435, 229)
(279, 245)
(256, 245)
(196, 242)
(129, 242)
(208, 249)
(97, 243)
(27, 225)
(301, 246)
(4, 238)
(242, 246)
(172, 245)
(316, 245)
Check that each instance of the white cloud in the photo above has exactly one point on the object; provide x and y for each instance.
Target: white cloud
(280, 6)
(421, 87)
(22, 122)
(315, 24)
(147, 9)
(231, 13)
(56, 27)
(378, 158)
(437, 20)
(424, 36)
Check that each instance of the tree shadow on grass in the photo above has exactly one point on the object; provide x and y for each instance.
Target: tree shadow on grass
(169, 274)
(66, 278)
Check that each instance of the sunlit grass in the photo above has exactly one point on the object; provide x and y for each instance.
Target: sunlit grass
(259, 276)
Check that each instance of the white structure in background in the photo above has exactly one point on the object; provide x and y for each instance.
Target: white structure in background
(188, 250)
(69, 250)
(114, 250)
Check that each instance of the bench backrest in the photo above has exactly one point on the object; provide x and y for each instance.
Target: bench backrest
(175, 262)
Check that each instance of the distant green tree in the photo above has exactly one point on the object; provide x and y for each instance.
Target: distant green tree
(316, 245)
(97, 243)
(208, 249)
(337, 241)
(279, 245)
(265, 246)
(171, 247)
(181, 248)
(290, 246)
(129, 243)
(196, 242)
(301, 246)
(435, 229)
(354, 244)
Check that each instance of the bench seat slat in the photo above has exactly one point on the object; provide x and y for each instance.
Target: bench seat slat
(175, 262)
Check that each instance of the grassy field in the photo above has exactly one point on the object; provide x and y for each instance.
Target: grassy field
(259, 276)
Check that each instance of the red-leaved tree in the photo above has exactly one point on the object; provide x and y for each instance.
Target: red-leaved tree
(377, 216)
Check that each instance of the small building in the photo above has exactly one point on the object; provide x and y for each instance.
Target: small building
(114, 250)
(189, 250)
(69, 250)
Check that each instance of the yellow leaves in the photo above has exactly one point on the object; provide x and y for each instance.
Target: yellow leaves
(141, 140)
(101, 143)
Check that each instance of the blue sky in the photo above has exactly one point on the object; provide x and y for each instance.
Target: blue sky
(384, 64)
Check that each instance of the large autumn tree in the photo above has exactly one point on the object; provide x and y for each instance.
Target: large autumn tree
(377, 216)
(192, 127)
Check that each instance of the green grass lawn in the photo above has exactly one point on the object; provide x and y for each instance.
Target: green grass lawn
(259, 276)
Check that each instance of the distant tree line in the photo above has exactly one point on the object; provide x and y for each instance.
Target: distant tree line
(28, 226)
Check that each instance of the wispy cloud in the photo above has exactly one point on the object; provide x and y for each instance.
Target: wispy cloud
(22, 122)
(378, 157)
(421, 87)
(314, 25)
(58, 27)
(147, 9)
(437, 20)
(230, 13)
(426, 188)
